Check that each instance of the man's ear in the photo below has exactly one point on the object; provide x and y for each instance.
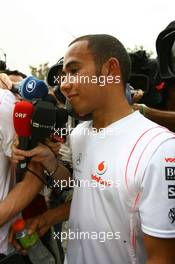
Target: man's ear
(111, 67)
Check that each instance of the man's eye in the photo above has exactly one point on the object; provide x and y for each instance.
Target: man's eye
(63, 77)
(73, 71)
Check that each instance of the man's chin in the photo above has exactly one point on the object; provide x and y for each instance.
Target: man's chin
(84, 117)
(81, 115)
(78, 113)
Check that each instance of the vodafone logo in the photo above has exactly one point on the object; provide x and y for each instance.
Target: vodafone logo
(170, 160)
(102, 167)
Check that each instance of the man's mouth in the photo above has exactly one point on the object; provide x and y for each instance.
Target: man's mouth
(71, 96)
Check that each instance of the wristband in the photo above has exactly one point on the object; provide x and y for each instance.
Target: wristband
(49, 177)
(50, 173)
(142, 109)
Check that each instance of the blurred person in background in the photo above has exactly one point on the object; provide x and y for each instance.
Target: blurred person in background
(7, 133)
(11, 203)
(162, 110)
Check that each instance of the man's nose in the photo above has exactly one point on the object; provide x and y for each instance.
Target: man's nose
(65, 86)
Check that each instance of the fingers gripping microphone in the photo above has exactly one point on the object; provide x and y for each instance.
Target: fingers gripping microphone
(22, 123)
(43, 122)
(31, 89)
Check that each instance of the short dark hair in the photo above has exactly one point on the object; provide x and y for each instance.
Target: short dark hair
(103, 47)
(15, 72)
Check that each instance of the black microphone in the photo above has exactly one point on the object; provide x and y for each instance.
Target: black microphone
(50, 98)
(61, 117)
(43, 122)
(60, 131)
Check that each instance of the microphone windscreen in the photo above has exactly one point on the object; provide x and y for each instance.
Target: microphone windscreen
(31, 88)
(60, 97)
(22, 115)
(43, 122)
(61, 117)
(50, 98)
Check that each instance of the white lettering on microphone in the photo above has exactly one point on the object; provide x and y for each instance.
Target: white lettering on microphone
(20, 115)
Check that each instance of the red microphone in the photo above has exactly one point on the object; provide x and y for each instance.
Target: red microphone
(22, 116)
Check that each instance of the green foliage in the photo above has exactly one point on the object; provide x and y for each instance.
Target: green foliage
(40, 72)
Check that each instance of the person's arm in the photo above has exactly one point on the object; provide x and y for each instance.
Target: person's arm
(24, 192)
(46, 158)
(51, 217)
(43, 222)
(163, 118)
(157, 204)
(21, 195)
(159, 251)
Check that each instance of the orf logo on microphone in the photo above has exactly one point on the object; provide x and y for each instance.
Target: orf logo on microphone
(30, 86)
(102, 167)
(20, 115)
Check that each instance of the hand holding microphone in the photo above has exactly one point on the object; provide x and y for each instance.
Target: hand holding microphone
(32, 126)
(35, 124)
